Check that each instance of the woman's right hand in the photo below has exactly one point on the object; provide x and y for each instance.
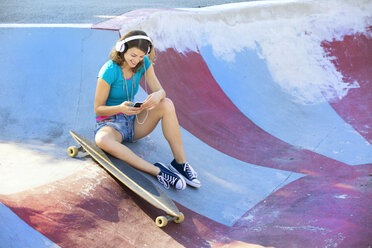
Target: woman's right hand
(127, 109)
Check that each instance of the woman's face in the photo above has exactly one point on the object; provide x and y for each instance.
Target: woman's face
(133, 56)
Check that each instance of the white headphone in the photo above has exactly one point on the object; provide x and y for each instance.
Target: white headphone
(121, 47)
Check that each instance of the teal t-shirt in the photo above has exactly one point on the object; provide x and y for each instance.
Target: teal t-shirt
(112, 74)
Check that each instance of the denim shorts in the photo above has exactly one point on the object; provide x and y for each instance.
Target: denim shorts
(124, 124)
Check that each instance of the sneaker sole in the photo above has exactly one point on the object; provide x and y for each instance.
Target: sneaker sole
(191, 183)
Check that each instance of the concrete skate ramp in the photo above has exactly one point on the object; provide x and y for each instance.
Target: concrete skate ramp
(274, 101)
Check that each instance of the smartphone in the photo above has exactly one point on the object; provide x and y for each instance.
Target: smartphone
(137, 104)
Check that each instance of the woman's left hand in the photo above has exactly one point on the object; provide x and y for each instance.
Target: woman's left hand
(153, 100)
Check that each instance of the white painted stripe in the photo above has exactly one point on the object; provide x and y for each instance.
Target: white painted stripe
(44, 25)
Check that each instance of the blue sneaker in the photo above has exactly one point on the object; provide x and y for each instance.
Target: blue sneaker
(187, 172)
(168, 178)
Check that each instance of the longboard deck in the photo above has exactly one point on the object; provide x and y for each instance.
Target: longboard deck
(130, 177)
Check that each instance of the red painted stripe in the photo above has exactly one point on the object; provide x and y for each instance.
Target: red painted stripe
(352, 57)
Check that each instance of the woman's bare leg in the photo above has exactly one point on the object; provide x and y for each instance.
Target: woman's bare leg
(170, 126)
(109, 140)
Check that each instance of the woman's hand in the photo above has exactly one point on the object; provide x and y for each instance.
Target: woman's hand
(127, 109)
(153, 100)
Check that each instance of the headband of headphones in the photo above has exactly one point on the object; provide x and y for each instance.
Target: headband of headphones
(121, 47)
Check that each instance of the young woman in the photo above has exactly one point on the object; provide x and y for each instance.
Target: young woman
(119, 121)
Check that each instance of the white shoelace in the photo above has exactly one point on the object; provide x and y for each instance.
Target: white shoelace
(190, 171)
(165, 183)
(166, 180)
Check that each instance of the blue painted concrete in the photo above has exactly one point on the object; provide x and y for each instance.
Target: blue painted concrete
(230, 187)
(248, 83)
(49, 78)
(15, 233)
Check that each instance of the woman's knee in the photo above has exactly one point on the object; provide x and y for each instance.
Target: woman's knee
(104, 139)
(167, 105)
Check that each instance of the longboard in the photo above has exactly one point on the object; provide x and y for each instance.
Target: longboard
(131, 178)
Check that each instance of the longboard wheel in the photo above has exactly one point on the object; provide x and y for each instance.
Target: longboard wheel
(72, 151)
(161, 221)
(180, 218)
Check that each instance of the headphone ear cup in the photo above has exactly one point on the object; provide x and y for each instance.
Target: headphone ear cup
(149, 49)
(120, 46)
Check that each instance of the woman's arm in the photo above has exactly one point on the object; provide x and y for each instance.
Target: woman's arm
(100, 108)
(157, 90)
